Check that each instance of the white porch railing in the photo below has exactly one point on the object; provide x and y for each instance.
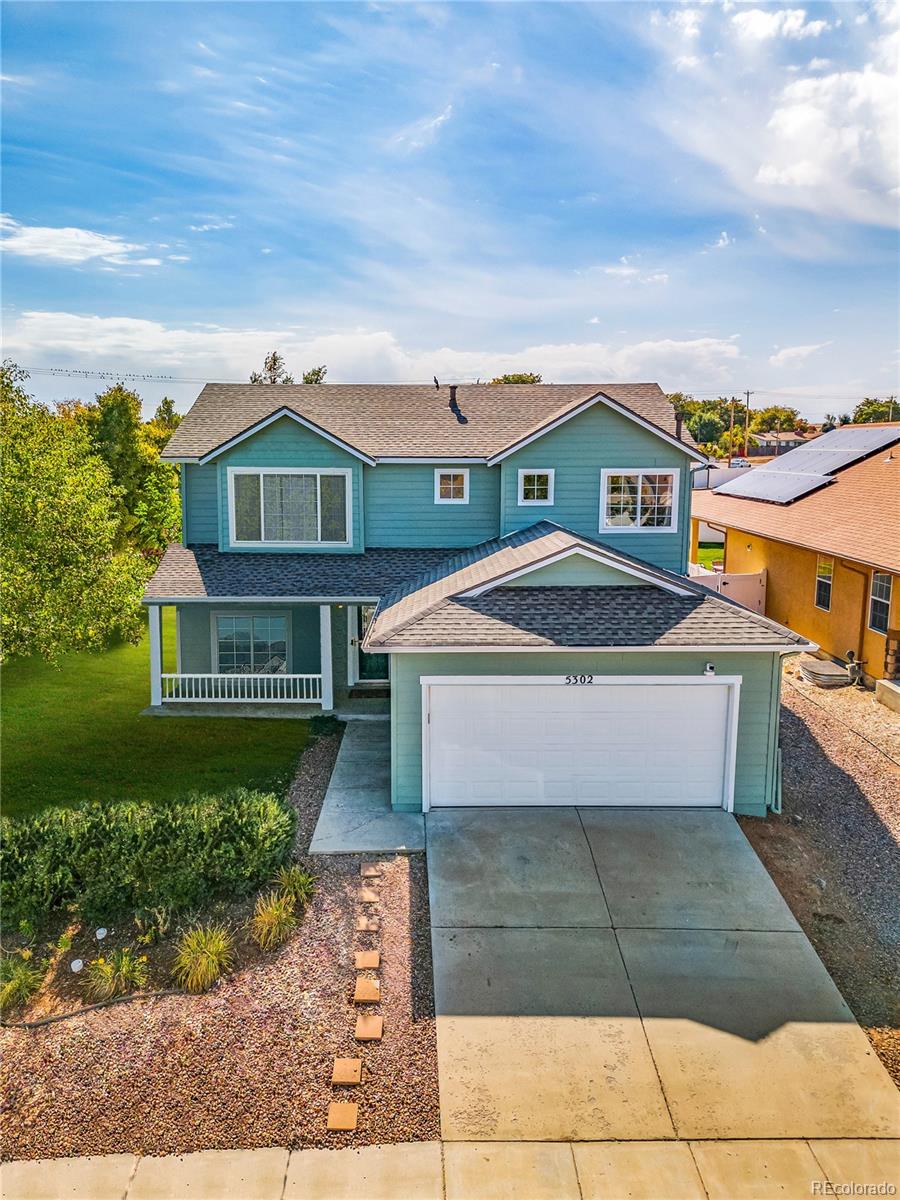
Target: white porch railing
(241, 689)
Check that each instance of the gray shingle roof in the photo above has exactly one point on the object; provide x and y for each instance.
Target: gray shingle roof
(388, 420)
(204, 572)
(590, 616)
(427, 610)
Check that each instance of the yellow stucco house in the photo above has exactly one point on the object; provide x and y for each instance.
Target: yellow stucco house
(824, 522)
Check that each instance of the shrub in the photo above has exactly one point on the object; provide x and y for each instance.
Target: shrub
(19, 980)
(300, 885)
(204, 953)
(114, 974)
(110, 859)
(273, 922)
(324, 725)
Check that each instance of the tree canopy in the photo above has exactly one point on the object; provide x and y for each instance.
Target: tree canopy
(777, 417)
(871, 409)
(68, 583)
(275, 371)
(519, 377)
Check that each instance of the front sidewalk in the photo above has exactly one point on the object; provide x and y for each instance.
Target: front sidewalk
(719, 1170)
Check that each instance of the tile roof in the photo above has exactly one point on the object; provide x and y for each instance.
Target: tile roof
(423, 611)
(205, 573)
(590, 616)
(397, 420)
(856, 516)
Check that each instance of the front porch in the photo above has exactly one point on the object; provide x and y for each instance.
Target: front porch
(278, 660)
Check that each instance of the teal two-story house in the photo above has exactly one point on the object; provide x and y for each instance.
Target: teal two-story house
(509, 561)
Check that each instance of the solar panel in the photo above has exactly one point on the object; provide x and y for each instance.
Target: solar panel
(779, 487)
(801, 471)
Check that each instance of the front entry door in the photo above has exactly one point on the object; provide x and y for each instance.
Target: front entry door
(373, 668)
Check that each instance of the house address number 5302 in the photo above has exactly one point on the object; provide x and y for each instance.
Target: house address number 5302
(579, 679)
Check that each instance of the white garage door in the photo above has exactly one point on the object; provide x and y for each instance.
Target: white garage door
(543, 740)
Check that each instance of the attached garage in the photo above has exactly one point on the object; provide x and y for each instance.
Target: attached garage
(579, 739)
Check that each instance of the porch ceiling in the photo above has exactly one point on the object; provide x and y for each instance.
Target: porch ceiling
(203, 572)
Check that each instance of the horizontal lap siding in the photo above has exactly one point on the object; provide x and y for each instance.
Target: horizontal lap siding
(577, 451)
(201, 517)
(287, 444)
(400, 507)
(757, 727)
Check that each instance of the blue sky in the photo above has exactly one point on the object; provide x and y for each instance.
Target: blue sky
(701, 194)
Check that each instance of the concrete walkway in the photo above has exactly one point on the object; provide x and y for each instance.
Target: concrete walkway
(356, 816)
(722, 1170)
(633, 974)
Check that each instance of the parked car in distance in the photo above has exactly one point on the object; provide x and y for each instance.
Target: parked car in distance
(741, 462)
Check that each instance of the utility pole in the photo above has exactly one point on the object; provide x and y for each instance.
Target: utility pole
(731, 434)
(891, 400)
(748, 394)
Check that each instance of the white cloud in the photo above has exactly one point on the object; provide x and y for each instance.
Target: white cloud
(686, 21)
(135, 344)
(721, 242)
(687, 62)
(795, 356)
(209, 226)
(16, 80)
(757, 24)
(69, 245)
(421, 133)
(818, 64)
(628, 273)
(179, 258)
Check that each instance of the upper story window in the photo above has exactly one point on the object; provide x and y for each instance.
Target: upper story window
(451, 487)
(536, 487)
(301, 506)
(824, 577)
(880, 602)
(639, 501)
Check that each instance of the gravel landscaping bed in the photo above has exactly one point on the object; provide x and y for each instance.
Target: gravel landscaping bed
(833, 851)
(249, 1063)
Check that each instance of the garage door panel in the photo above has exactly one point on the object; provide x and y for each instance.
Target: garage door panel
(605, 744)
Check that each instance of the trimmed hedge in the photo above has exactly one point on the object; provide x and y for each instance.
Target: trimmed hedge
(109, 859)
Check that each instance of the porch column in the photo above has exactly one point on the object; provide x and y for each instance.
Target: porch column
(153, 619)
(327, 667)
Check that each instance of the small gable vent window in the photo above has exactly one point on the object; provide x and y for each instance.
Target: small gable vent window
(275, 506)
(824, 577)
(451, 487)
(639, 501)
(880, 602)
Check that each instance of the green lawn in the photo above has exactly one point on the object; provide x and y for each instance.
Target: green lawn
(73, 733)
(709, 552)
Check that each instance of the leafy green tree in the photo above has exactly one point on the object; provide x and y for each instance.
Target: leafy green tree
(315, 374)
(689, 407)
(872, 409)
(165, 416)
(519, 377)
(67, 582)
(274, 370)
(777, 416)
(705, 425)
(736, 441)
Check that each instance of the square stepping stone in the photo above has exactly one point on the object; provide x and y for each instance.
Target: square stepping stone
(370, 870)
(367, 924)
(369, 1028)
(367, 896)
(342, 1116)
(367, 991)
(347, 1070)
(367, 960)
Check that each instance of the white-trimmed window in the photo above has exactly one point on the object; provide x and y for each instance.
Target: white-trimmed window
(824, 579)
(289, 506)
(451, 487)
(638, 500)
(250, 643)
(880, 602)
(536, 487)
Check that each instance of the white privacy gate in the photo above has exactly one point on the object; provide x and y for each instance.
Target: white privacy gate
(579, 739)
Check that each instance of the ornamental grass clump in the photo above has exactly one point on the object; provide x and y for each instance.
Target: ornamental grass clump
(300, 885)
(205, 953)
(114, 974)
(274, 921)
(19, 980)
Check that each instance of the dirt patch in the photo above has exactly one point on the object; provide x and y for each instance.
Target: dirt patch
(249, 1063)
(834, 855)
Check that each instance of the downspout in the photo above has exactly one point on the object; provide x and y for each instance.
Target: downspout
(860, 637)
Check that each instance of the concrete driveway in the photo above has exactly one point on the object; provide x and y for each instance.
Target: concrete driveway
(622, 974)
